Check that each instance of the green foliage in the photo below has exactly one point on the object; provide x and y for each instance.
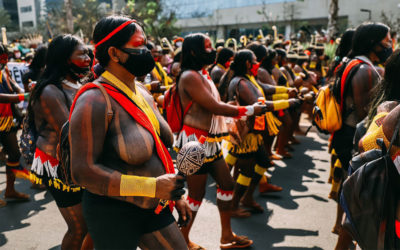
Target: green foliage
(157, 24)
(5, 19)
(330, 50)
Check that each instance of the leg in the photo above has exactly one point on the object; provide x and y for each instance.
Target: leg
(168, 237)
(220, 172)
(197, 188)
(242, 183)
(283, 137)
(77, 230)
(13, 167)
(344, 240)
(338, 223)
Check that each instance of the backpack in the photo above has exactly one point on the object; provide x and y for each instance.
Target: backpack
(63, 147)
(173, 109)
(327, 112)
(369, 198)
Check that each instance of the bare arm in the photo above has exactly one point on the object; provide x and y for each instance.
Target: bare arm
(54, 107)
(197, 89)
(9, 98)
(362, 82)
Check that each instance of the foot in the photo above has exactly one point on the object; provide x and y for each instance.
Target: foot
(333, 195)
(266, 188)
(271, 163)
(250, 203)
(236, 242)
(3, 203)
(285, 154)
(240, 213)
(336, 229)
(276, 157)
(38, 186)
(194, 246)
(14, 195)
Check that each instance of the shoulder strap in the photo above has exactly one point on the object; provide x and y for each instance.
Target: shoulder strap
(343, 79)
(110, 112)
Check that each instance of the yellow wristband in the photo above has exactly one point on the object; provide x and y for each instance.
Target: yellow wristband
(243, 180)
(132, 185)
(148, 86)
(259, 170)
(280, 97)
(281, 104)
(280, 89)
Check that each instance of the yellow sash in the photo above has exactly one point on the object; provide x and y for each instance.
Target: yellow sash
(136, 97)
(162, 75)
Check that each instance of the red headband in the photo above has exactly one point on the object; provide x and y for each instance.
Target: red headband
(107, 38)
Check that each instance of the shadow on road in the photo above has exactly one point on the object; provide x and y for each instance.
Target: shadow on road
(13, 215)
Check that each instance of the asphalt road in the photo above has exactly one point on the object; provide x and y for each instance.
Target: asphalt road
(299, 217)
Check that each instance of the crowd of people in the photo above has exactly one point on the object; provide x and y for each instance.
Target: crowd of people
(125, 103)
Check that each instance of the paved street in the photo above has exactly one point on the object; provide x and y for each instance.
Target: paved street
(300, 217)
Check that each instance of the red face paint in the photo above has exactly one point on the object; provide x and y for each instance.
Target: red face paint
(254, 69)
(227, 64)
(3, 58)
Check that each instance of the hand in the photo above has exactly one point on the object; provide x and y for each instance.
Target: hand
(170, 187)
(294, 102)
(309, 98)
(292, 92)
(184, 211)
(155, 85)
(259, 109)
(304, 90)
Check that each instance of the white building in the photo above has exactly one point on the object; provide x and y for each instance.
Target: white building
(27, 14)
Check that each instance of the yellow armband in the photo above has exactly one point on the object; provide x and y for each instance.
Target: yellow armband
(280, 97)
(243, 180)
(280, 90)
(281, 104)
(148, 86)
(259, 170)
(132, 185)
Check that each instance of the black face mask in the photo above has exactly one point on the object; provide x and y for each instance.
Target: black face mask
(384, 54)
(78, 72)
(140, 61)
(208, 58)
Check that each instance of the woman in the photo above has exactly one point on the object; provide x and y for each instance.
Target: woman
(35, 68)
(123, 138)
(10, 93)
(224, 59)
(67, 61)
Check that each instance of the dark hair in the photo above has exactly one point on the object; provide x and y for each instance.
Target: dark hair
(104, 27)
(388, 88)
(192, 46)
(342, 50)
(366, 37)
(56, 68)
(258, 49)
(39, 60)
(281, 53)
(150, 45)
(224, 55)
(238, 68)
(3, 49)
(178, 57)
(239, 62)
(267, 62)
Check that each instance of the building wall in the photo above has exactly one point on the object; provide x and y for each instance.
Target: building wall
(27, 14)
(281, 13)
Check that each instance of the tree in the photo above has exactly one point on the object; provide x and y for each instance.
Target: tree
(87, 14)
(68, 15)
(5, 19)
(333, 24)
(157, 22)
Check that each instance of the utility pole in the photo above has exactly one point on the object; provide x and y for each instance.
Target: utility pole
(333, 18)
(69, 16)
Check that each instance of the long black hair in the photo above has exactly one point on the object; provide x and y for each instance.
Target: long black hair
(39, 60)
(342, 50)
(267, 62)
(258, 49)
(238, 68)
(388, 88)
(192, 46)
(57, 66)
(104, 27)
(222, 57)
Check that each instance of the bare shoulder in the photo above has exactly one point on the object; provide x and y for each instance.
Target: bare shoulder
(190, 75)
(51, 92)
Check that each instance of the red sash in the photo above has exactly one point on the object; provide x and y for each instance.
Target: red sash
(138, 115)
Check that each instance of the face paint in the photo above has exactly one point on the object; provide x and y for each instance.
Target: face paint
(254, 69)
(228, 64)
(140, 61)
(3, 60)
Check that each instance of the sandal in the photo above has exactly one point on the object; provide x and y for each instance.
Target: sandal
(237, 242)
(194, 246)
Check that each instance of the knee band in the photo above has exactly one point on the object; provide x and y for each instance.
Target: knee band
(259, 170)
(280, 89)
(10, 164)
(193, 204)
(230, 159)
(224, 195)
(243, 180)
